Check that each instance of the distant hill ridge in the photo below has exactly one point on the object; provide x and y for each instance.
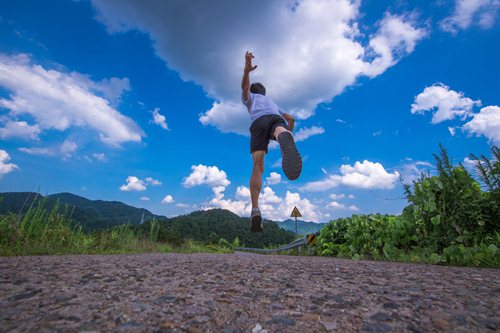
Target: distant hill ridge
(100, 214)
(91, 214)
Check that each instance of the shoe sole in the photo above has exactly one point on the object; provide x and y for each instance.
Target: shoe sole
(292, 162)
(256, 224)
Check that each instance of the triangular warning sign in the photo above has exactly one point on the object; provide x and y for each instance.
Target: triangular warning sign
(295, 213)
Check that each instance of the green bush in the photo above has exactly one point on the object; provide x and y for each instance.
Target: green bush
(449, 219)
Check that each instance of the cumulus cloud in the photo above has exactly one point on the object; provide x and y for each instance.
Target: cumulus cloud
(151, 181)
(334, 196)
(144, 199)
(271, 205)
(273, 179)
(20, 129)
(411, 170)
(67, 149)
(306, 132)
(160, 119)
(338, 206)
(487, 123)
(470, 12)
(206, 175)
(133, 184)
(447, 103)
(331, 49)
(59, 100)
(365, 175)
(5, 166)
(168, 199)
(397, 36)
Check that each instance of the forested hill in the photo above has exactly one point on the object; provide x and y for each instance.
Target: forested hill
(206, 226)
(90, 214)
(212, 225)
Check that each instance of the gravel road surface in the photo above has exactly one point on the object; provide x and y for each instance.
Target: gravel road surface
(242, 293)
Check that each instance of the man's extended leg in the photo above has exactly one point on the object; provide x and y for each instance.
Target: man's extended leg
(291, 160)
(255, 187)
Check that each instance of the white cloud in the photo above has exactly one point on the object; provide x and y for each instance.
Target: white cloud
(338, 206)
(305, 133)
(144, 199)
(334, 196)
(271, 206)
(99, 156)
(487, 123)
(160, 119)
(397, 36)
(58, 100)
(448, 103)
(327, 32)
(453, 130)
(469, 12)
(206, 175)
(377, 133)
(67, 149)
(273, 179)
(412, 170)
(168, 199)
(353, 208)
(38, 151)
(151, 181)
(20, 129)
(469, 164)
(133, 184)
(5, 166)
(365, 175)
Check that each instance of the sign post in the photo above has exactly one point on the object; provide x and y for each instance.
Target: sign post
(296, 213)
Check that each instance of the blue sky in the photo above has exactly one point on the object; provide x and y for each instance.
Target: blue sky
(139, 101)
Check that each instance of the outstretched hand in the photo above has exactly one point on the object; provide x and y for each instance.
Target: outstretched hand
(248, 62)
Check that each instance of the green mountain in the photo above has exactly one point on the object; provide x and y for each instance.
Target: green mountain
(212, 225)
(303, 227)
(90, 214)
(205, 226)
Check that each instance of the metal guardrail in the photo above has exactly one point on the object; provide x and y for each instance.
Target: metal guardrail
(296, 243)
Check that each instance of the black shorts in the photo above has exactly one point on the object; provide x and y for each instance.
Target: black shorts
(262, 131)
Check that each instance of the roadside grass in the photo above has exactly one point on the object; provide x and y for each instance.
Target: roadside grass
(48, 232)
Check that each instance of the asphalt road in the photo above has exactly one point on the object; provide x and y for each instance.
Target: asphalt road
(242, 293)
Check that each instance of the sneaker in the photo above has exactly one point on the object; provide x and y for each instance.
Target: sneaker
(292, 162)
(256, 218)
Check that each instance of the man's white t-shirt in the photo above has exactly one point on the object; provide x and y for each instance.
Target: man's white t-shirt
(259, 105)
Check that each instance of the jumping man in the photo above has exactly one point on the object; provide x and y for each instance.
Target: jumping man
(268, 122)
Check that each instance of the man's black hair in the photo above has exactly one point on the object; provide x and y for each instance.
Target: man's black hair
(258, 88)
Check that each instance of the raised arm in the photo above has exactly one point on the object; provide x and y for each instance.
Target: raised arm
(245, 81)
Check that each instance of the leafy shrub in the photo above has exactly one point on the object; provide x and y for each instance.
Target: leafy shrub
(449, 219)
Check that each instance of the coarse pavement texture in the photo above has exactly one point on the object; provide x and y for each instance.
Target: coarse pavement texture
(242, 293)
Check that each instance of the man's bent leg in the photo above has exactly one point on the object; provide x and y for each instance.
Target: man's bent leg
(278, 131)
(291, 160)
(256, 178)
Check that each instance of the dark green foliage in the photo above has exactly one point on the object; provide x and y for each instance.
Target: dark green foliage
(449, 219)
(213, 225)
(450, 208)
